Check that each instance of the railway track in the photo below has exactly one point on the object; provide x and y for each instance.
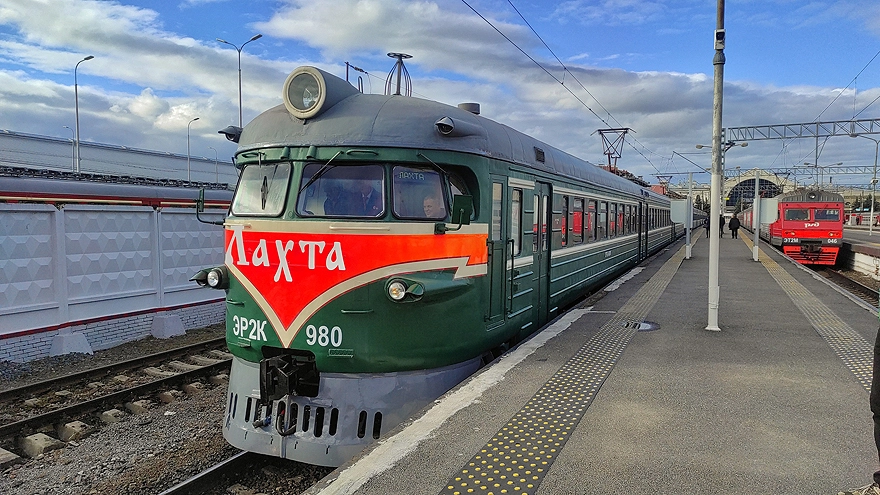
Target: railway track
(247, 472)
(854, 287)
(43, 405)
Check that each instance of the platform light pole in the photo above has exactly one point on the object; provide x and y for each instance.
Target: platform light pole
(254, 38)
(76, 159)
(187, 148)
(873, 180)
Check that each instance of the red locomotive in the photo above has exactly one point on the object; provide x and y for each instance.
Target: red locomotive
(809, 227)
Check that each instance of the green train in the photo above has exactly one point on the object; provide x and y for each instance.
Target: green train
(380, 249)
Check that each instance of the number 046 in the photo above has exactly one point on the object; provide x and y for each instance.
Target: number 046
(323, 336)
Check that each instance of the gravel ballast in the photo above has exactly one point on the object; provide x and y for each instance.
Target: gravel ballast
(145, 453)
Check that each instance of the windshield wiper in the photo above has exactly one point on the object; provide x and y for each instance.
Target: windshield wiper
(324, 168)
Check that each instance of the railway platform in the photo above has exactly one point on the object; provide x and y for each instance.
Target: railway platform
(628, 393)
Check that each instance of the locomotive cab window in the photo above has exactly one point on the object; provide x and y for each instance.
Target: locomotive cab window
(797, 214)
(417, 193)
(827, 215)
(262, 190)
(342, 191)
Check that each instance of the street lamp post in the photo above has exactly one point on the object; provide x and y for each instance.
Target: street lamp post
(76, 159)
(187, 148)
(873, 181)
(254, 38)
(216, 170)
(72, 147)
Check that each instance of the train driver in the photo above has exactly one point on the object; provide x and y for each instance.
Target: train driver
(433, 207)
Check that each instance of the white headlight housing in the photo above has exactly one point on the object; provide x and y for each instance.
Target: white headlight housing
(396, 290)
(214, 278)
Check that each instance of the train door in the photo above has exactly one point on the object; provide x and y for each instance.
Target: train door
(541, 250)
(498, 236)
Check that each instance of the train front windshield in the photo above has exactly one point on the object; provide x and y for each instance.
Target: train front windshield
(262, 190)
(827, 215)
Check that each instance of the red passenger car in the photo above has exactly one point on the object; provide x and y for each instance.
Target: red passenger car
(809, 228)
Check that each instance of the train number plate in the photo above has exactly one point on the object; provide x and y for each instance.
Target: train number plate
(794, 240)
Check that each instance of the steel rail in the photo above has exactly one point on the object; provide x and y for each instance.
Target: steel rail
(201, 481)
(105, 370)
(56, 416)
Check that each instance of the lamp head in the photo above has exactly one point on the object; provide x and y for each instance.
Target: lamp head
(232, 133)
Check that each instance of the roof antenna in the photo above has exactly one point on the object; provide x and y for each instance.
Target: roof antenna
(402, 75)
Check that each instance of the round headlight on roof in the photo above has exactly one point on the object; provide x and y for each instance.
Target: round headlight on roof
(308, 91)
(304, 92)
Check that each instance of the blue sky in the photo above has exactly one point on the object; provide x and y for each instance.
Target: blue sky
(646, 65)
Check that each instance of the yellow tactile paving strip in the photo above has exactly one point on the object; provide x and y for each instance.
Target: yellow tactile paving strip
(517, 458)
(856, 353)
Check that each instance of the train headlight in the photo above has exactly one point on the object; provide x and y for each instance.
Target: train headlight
(397, 290)
(214, 278)
(308, 91)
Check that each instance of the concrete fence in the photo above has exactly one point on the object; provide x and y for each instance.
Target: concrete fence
(105, 273)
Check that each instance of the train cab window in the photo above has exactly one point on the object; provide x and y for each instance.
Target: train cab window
(342, 191)
(516, 233)
(797, 214)
(576, 223)
(602, 223)
(827, 215)
(262, 190)
(417, 193)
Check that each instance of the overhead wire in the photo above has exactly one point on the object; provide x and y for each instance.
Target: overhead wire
(848, 85)
(565, 70)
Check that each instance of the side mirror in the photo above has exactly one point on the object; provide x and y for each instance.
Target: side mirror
(462, 210)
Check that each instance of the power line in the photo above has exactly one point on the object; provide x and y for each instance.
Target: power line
(848, 85)
(565, 69)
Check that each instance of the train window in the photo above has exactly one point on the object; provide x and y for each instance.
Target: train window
(590, 226)
(576, 224)
(620, 226)
(602, 223)
(516, 197)
(560, 215)
(342, 191)
(535, 226)
(262, 190)
(545, 236)
(496, 211)
(417, 193)
(612, 220)
(797, 214)
(827, 215)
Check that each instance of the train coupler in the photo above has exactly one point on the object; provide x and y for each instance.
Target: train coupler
(288, 374)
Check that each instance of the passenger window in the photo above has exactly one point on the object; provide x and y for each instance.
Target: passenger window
(417, 193)
(590, 226)
(577, 221)
(602, 224)
(496, 211)
(516, 220)
(560, 214)
(342, 191)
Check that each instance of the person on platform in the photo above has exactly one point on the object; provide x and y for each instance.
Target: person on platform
(706, 225)
(873, 488)
(721, 226)
(733, 225)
